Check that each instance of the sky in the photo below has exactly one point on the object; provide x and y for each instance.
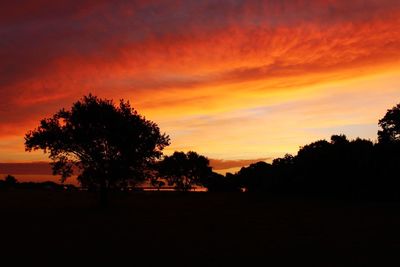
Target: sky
(236, 81)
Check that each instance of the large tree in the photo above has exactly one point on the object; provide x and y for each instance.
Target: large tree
(109, 144)
(390, 125)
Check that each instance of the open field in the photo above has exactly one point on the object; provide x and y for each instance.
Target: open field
(154, 228)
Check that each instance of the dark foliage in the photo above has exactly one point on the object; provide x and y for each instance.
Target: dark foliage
(340, 168)
(216, 182)
(10, 180)
(184, 170)
(390, 125)
(255, 177)
(110, 145)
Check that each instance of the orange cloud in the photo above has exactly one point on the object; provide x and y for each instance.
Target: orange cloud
(195, 66)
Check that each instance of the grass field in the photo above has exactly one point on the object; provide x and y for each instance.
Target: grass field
(160, 228)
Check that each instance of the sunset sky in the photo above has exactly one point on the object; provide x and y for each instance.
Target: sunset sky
(236, 81)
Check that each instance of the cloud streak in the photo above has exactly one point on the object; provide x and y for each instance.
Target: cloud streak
(194, 66)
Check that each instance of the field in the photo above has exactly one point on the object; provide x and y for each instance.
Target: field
(160, 228)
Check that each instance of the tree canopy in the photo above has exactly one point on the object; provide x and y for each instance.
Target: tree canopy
(10, 180)
(108, 144)
(390, 125)
(184, 170)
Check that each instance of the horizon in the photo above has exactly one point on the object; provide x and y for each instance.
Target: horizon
(237, 82)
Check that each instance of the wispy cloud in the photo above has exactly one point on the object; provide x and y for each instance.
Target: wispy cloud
(229, 79)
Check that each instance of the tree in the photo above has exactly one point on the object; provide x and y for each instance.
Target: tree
(10, 180)
(184, 170)
(109, 145)
(390, 125)
(339, 140)
(284, 172)
(216, 182)
(256, 177)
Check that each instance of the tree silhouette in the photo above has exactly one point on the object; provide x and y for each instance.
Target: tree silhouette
(340, 168)
(256, 177)
(284, 172)
(390, 125)
(216, 182)
(109, 144)
(184, 170)
(10, 180)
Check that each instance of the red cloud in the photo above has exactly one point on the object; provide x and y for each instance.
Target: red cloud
(169, 53)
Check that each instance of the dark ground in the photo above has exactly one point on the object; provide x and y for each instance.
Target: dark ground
(156, 228)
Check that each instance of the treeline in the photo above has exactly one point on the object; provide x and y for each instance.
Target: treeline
(113, 147)
(339, 168)
(343, 168)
